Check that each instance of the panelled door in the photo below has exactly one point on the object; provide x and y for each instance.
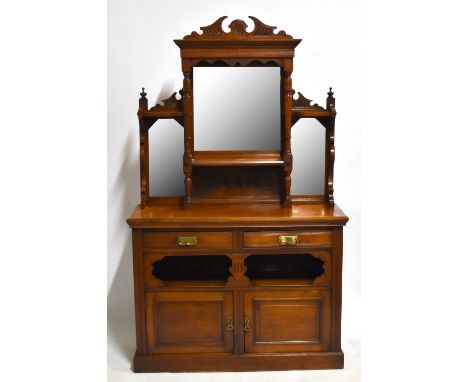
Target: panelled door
(189, 322)
(287, 321)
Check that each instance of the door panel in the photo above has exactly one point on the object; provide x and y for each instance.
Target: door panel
(287, 321)
(189, 322)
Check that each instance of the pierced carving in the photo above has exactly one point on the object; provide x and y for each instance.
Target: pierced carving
(170, 103)
(154, 280)
(238, 29)
(214, 29)
(304, 103)
(321, 274)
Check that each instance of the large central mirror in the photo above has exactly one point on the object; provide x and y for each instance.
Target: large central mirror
(237, 108)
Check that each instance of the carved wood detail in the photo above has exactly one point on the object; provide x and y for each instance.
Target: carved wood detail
(237, 62)
(170, 103)
(325, 266)
(171, 107)
(238, 269)
(287, 124)
(238, 30)
(188, 134)
(237, 258)
(305, 103)
(330, 158)
(144, 165)
(154, 280)
(330, 100)
(143, 101)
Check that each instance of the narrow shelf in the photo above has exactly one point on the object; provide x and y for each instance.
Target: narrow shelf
(237, 158)
(311, 113)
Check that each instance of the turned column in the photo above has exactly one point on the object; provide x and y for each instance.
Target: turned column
(187, 97)
(144, 152)
(287, 124)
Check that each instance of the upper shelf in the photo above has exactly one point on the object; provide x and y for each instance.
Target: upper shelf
(237, 158)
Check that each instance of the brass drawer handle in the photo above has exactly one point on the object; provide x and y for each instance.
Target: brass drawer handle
(186, 240)
(247, 326)
(229, 324)
(288, 239)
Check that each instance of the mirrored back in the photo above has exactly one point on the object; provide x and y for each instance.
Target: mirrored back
(237, 108)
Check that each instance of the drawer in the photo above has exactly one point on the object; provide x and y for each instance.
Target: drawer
(283, 239)
(187, 240)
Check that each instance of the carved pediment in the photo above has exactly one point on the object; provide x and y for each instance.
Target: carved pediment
(238, 30)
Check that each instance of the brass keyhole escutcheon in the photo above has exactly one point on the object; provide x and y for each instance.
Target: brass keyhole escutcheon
(247, 326)
(229, 324)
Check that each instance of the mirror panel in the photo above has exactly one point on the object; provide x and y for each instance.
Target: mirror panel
(166, 150)
(237, 108)
(308, 149)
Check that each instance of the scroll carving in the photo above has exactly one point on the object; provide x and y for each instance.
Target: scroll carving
(304, 103)
(238, 270)
(238, 30)
(170, 103)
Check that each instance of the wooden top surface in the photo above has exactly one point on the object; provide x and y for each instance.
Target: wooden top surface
(236, 215)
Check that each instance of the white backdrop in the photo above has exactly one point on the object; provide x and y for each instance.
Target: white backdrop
(141, 53)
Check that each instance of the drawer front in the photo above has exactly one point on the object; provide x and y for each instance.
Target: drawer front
(277, 239)
(187, 240)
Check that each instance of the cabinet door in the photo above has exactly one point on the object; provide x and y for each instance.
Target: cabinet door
(189, 322)
(287, 321)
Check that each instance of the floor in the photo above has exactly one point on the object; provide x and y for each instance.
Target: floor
(121, 347)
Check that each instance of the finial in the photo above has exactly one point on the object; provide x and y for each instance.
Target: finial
(330, 100)
(143, 101)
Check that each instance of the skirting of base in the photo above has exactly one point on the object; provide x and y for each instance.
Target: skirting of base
(236, 362)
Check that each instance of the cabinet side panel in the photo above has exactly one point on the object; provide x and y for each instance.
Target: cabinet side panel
(139, 291)
(337, 263)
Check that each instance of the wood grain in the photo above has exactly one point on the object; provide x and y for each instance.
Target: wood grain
(192, 302)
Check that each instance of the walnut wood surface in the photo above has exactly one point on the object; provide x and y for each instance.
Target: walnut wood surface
(237, 158)
(233, 45)
(192, 302)
(245, 215)
(188, 322)
(294, 321)
(205, 240)
(236, 362)
(270, 239)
